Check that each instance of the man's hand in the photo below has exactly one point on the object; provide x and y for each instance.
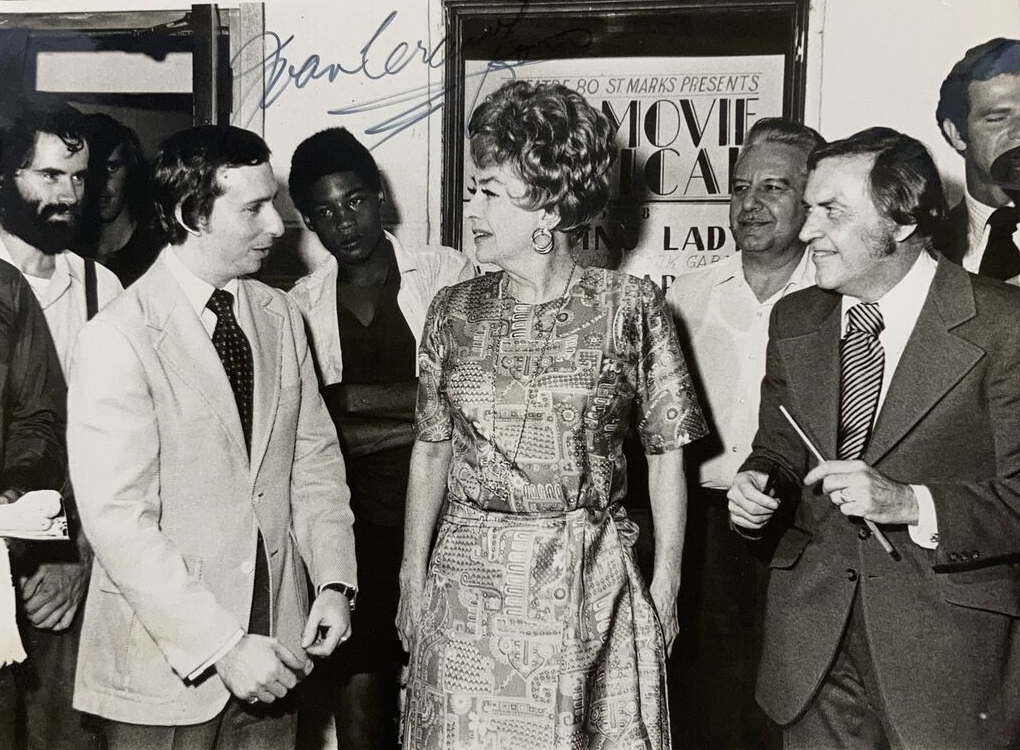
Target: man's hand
(665, 607)
(858, 490)
(412, 587)
(332, 612)
(749, 507)
(258, 668)
(53, 594)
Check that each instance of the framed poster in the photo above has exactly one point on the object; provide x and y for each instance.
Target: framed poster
(682, 84)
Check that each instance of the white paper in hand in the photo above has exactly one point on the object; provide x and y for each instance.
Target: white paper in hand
(36, 515)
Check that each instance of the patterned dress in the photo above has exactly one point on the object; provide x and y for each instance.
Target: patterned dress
(537, 630)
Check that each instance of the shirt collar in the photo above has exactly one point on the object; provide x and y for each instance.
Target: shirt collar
(324, 275)
(978, 214)
(803, 275)
(902, 304)
(197, 291)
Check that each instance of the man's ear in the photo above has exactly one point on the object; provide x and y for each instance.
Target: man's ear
(903, 231)
(307, 220)
(179, 217)
(952, 134)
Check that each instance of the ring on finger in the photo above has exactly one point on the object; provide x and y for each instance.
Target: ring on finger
(838, 497)
(253, 700)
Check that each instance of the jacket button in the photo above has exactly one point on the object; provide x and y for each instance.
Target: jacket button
(247, 567)
(953, 557)
(863, 533)
(974, 555)
(851, 575)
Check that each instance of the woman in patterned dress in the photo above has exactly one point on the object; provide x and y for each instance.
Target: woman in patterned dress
(531, 627)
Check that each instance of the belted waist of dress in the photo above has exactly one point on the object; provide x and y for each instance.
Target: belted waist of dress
(593, 537)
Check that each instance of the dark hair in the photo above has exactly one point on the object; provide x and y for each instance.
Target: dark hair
(554, 141)
(185, 172)
(981, 63)
(786, 132)
(106, 135)
(328, 152)
(904, 182)
(18, 148)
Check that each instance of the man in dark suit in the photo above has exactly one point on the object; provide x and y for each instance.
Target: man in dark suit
(979, 114)
(900, 367)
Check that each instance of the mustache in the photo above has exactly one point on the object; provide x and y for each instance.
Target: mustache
(58, 209)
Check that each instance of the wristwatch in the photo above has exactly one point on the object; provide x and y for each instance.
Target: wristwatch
(348, 591)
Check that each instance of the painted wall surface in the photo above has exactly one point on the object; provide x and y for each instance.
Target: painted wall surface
(881, 62)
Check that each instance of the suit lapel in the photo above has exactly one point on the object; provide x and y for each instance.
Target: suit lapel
(813, 373)
(264, 327)
(186, 348)
(933, 361)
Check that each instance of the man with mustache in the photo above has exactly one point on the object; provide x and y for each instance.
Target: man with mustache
(725, 311)
(42, 178)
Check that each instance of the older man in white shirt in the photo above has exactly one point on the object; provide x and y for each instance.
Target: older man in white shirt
(724, 309)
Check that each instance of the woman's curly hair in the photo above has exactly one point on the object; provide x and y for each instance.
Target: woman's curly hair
(560, 146)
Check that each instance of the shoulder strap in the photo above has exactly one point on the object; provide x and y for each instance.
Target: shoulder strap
(91, 294)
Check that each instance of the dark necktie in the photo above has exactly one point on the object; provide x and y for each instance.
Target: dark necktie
(235, 354)
(862, 361)
(1001, 259)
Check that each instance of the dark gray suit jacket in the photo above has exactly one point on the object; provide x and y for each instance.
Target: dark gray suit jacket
(943, 625)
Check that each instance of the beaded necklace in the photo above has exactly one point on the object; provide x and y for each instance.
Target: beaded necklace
(536, 372)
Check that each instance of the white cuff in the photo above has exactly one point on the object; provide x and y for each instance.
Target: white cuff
(220, 653)
(926, 532)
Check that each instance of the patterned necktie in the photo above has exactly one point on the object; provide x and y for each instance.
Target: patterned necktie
(235, 354)
(1001, 259)
(862, 361)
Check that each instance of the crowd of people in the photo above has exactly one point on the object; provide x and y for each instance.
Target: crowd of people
(392, 498)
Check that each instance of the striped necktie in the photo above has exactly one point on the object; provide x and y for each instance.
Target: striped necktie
(862, 361)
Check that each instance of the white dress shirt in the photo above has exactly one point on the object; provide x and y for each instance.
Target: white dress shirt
(62, 298)
(728, 331)
(977, 232)
(900, 308)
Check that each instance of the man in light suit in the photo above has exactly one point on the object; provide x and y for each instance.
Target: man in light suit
(207, 472)
(905, 370)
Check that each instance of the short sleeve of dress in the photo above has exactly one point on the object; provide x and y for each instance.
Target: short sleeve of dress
(432, 421)
(668, 413)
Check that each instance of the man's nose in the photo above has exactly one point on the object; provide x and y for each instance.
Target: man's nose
(810, 230)
(750, 200)
(68, 191)
(274, 223)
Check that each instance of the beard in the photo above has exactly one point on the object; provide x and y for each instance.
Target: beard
(50, 229)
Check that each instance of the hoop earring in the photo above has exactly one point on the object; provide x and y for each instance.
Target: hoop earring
(542, 241)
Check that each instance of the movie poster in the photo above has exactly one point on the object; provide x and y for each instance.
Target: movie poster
(680, 124)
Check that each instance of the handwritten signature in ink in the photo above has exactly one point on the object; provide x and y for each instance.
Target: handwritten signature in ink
(274, 75)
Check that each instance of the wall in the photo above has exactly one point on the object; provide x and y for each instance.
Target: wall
(881, 62)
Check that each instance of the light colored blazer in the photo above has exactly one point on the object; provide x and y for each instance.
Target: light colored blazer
(423, 272)
(172, 505)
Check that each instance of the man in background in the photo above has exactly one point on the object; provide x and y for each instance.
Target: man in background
(724, 310)
(365, 307)
(979, 114)
(118, 228)
(43, 168)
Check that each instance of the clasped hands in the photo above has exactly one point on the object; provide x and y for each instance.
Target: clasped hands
(260, 668)
(853, 486)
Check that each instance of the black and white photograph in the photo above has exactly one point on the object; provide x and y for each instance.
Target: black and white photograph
(510, 375)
